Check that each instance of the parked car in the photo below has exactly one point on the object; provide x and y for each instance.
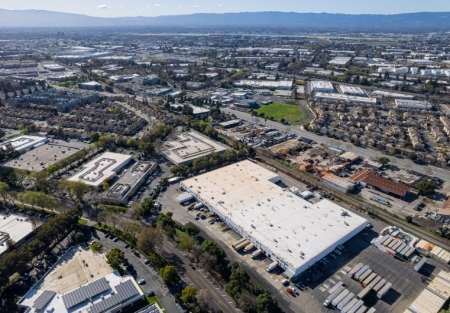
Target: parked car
(146, 261)
(141, 281)
(289, 291)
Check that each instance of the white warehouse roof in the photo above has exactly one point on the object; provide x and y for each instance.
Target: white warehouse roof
(24, 142)
(288, 228)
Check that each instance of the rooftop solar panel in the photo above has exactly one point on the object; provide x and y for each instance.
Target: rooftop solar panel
(43, 299)
(83, 293)
(124, 291)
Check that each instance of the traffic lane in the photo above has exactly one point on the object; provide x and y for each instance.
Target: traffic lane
(142, 271)
(435, 171)
(200, 281)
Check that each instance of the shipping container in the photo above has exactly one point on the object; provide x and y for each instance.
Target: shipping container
(379, 285)
(363, 293)
(242, 245)
(388, 241)
(361, 271)
(369, 279)
(421, 263)
(339, 298)
(383, 239)
(349, 305)
(397, 244)
(365, 275)
(393, 243)
(356, 307)
(239, 242)
(362, 309)
(405, 250)
(375, 281)
(346, 300)
(333, 296)
(384, 290)
(354, 270)
(400, 248)
(336, 286)
(409, 253)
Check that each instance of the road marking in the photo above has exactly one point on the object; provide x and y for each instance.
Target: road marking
(322, 289)
(337, 276)
(332, 281)
(326, 286)
(344, 272)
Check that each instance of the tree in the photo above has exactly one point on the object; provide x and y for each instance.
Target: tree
(115, 258)
(212, 248)
(94, 137)
(97, 247)
(247, 302)
(186, 242)
(149, 238)
(145, 146)
(4, 188)
(384, 160)
(188, 295)
(265, 303)
(78, 189)
(169, 275)
(79, 237)
(425, 188)
(203, 298)
(132, 228)
(409, 219)
(131, 142)
(180, 170)
(105, 186)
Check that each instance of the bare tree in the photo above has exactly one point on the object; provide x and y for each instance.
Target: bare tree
(247, 302)
(203, 298)
(149, 238)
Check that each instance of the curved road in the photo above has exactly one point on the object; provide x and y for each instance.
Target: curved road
(367, 153)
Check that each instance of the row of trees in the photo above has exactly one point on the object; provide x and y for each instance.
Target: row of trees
(18, 261)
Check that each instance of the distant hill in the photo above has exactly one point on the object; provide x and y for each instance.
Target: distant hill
(319, 21)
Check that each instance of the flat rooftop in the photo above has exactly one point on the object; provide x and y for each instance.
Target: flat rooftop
(81, 281)
(23, 142)
(292, 228)
(101, 168)
(46, 155)
(190, 146)
(342, 97)
(14, 226)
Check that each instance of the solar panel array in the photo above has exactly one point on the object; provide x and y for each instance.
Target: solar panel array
(83, 293)
(124, 291)
(43, 299)
(152, 308)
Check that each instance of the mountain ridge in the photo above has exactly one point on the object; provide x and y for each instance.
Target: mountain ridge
(269, 19)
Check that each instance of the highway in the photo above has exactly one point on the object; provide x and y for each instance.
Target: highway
(347, 146)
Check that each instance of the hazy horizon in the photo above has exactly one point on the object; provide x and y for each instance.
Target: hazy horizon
(120, 8)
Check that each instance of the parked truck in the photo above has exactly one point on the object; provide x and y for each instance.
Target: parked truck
(256, 253)
(361, 271)
(365, 275)
(362, 309)
(336, 286)
(384, 290)
(333, 295)
(198, 206)
(420, 264)
(369, 279)
(371, 310)
(356, 307)
(380, 285)
(364, 293)
(242, 245)
(375, 281)
(345, 301)
(272, 266)
(249, 247)
(339, 298)
(349, 305)
(354, 270)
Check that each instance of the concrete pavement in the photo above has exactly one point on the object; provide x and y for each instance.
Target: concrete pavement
(366, 153)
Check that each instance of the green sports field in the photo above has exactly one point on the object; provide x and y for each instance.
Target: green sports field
(290, 112)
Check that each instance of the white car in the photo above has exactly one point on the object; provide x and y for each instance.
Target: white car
(293, 289)
(141, 281)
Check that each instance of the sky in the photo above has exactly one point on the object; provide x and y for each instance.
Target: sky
(118, 8)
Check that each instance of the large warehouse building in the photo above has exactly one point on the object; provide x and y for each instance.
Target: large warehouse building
(98, 170)
(287, 228)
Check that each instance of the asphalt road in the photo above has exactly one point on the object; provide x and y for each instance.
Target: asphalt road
(366, 153)
(142, 271)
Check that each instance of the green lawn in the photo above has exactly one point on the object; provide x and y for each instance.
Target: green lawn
(82, 221)
(290, 112)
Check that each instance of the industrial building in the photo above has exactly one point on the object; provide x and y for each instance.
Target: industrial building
(352, 91)
(90, 86)
(370, 180)
(412, 104)
(81, 281)
(23, 143)
(338, 183)
(345, 98)
(42, 155)
(288, 229)
(189, 146)
(14, 227)
(321, 86)
(380, 93)
(129, 183)
(340, 61)
(102, 168)
(265, 84)
(434, 296)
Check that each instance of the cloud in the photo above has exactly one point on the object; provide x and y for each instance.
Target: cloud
(156, 5)
(103, 6)
(219, 5)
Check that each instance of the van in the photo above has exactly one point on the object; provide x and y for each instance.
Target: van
(272, 266)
